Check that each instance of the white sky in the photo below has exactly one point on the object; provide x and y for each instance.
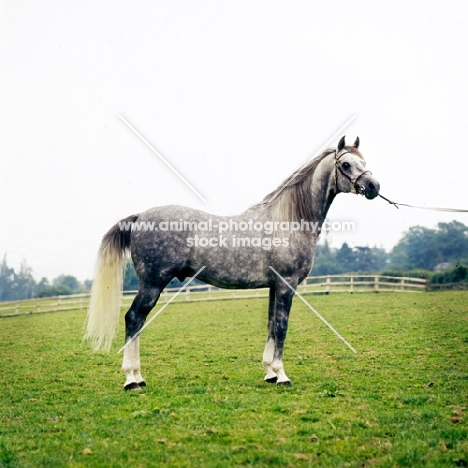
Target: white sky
(236, 95)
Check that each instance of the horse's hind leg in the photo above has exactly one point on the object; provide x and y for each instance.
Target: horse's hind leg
(131, 366)
(144, 301)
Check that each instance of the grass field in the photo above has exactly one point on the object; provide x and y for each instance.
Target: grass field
(401, 401)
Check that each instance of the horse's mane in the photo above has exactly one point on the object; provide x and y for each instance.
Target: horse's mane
(292, 200)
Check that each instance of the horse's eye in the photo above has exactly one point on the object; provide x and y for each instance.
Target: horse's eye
(346, 165)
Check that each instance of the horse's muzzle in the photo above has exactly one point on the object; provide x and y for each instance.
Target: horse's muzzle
(372, 188)
(368, 186)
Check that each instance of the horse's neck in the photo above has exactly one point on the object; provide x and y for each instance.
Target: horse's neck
(323, 186)
(323, 191)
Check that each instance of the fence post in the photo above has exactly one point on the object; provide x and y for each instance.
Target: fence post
(327, 286)
(351, 284)
(187, 295)
(17, 307)
(59, 302)
(402, 284)
(376, 284)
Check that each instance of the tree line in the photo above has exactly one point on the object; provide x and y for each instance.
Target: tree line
(417, 253)
(419, 248)
(20, 284)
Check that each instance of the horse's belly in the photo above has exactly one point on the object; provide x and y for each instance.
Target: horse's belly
(233, 269)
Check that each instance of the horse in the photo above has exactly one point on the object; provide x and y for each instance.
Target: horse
(270, 245)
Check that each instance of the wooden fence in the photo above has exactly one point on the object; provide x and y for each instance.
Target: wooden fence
(311, 285)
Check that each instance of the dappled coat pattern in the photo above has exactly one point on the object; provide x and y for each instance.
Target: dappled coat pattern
(276, 258)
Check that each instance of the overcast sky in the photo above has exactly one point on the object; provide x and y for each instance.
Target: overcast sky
(236, 95)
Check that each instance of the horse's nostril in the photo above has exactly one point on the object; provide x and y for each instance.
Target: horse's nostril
(371, 186)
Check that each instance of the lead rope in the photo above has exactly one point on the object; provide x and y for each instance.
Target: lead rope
(430, 208)
(395, 204)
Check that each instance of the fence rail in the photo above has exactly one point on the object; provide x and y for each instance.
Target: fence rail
(311, 285)
(461, 286)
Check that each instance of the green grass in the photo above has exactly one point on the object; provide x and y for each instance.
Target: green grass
(401, 401)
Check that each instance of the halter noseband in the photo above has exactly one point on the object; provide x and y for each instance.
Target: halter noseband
(338, 168)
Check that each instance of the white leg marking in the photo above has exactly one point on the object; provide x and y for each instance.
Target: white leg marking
(277, 367)
(131, 362)
(136, 369)
(268, 356)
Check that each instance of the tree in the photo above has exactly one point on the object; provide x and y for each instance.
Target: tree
(7, 277)
(381, 258)
(331, 261)
(417, 249)
(452, 241)
(130, 282)
(50, 291)
(346, 258)
(43, 283)
(370, 259)
(15, 286)
(325, 260)
(63, 285)
(399, 256)
(24, 284)
(422, 247)
(69, 282)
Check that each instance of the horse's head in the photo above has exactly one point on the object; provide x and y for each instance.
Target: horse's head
(350, 172)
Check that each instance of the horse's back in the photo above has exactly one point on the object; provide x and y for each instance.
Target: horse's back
(181, 240)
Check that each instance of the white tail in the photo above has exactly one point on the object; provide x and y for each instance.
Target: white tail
(106, 292)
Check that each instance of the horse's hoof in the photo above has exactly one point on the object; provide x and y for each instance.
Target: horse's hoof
(286, 383)
(142, 383)
(132, 386)
(272, 379)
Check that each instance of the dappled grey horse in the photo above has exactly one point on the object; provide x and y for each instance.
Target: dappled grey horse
(272, 244)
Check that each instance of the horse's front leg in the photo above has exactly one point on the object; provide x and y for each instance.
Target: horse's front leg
(278, 316)
(268, 354)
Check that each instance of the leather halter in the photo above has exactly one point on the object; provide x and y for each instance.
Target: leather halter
(338, 168)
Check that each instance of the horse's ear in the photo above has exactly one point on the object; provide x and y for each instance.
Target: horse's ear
(356, 143)
(341, 143)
